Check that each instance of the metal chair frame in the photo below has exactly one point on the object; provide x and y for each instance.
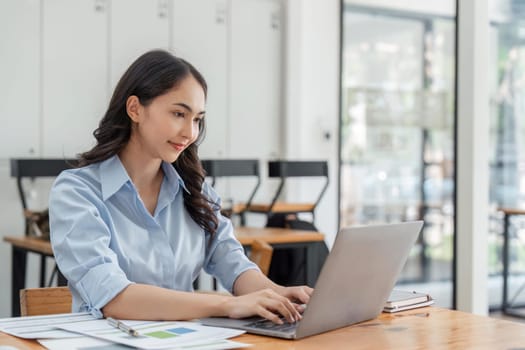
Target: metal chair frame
(287, 169)
(216, 168)
(33, 168)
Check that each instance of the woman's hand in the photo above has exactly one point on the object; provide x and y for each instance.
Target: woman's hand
(265, 303)
(299, 294)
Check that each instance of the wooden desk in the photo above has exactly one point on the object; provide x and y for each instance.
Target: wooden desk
(507, 214)
(312, 242)
(426, 328)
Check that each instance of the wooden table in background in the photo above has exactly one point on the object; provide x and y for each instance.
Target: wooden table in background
(426, 328)
(246, 235)
(20, 246)
(281, 238)
(312, 242)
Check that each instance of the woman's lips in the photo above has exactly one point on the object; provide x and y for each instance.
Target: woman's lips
(177, 146)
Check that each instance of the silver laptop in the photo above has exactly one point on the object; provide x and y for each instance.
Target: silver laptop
(353, 286)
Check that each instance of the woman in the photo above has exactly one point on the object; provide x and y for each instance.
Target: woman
(131, 232)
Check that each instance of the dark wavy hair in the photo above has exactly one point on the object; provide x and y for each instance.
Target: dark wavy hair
(152, 75)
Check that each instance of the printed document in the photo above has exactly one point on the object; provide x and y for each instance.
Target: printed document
(46, 326)
(152, 334)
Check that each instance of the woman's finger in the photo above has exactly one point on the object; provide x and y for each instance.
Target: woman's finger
(284, 307)
(303, 294)
(300, 308)
(267, 314)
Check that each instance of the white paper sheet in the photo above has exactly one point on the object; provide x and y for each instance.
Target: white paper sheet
(88, 343)
(153, 335)
(34, 327)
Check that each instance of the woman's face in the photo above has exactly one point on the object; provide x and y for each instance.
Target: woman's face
(170, 123)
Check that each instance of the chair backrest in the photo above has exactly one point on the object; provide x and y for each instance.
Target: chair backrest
(45, 301)
(231, 167)
(261, 254)
(297, 168)
(36, 167)
(285, 168)
(216, 168)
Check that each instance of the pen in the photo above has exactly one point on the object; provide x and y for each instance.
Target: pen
(122, 326)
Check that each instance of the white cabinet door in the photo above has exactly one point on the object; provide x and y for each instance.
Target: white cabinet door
(136, 26)
(199, 35)
(255, 79)
(20, 75)
(75, 74)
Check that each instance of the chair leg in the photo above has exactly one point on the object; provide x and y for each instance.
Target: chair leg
(243, 218)
(18, 278)
(42, 271)
(61, 279)
(53, 274)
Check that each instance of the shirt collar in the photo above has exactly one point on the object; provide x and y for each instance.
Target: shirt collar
(113, 176)
(173, 177)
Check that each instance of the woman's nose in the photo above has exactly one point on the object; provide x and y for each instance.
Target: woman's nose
(189, 129)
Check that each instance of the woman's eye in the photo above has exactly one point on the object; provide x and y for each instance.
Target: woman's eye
(178, 114)
(197, 120)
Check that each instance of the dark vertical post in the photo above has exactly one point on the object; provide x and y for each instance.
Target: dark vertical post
(505, 253)
(18, 278)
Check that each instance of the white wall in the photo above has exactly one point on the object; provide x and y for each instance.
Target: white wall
(312, 96)
(472, 196)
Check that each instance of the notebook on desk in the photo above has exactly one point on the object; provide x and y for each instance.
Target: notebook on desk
(353, 286)
(400, 300)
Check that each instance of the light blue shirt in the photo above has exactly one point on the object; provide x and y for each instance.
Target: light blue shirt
(104, 238)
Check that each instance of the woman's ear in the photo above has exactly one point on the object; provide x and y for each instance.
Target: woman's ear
(133, 108)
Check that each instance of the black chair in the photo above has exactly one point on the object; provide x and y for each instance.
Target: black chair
(34, 168)
(216, 168)
(289, 264)
(292, 169)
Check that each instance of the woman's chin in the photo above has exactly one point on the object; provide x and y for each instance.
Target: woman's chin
(171, 158)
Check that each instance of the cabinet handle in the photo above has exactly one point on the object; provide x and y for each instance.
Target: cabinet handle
(220, 13)
(162, 8)
(275, 21)
(100, 5)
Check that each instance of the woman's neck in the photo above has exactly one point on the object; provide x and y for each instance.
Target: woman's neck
(144, 171)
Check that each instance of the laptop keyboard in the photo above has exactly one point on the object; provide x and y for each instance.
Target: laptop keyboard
(269, 325)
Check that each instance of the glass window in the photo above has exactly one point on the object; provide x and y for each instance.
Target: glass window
(397, 132)
(507, 158)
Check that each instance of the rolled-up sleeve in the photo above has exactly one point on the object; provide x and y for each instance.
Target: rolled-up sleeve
(80, 239)
(225, 258)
